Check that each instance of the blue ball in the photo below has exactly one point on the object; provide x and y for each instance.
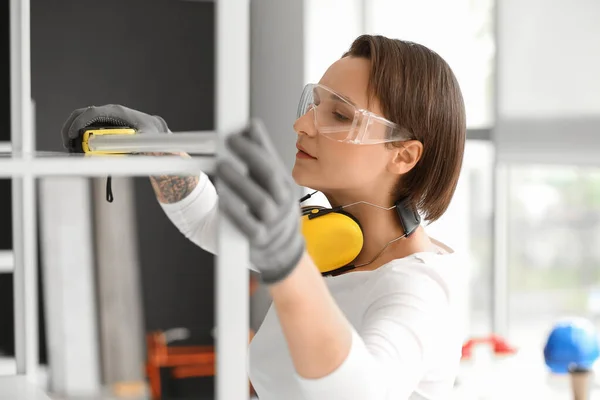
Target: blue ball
(572, 344)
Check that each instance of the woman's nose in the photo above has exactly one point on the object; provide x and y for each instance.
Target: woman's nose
(305, 125)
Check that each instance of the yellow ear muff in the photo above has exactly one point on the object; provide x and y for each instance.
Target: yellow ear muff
(332, 240)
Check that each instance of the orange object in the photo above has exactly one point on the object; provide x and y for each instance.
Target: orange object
(184, 361)
(129, 389)
(162, 356)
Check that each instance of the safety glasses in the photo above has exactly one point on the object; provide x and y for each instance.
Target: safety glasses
(339, 119)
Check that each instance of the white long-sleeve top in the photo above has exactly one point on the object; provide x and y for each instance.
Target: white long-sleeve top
(406, 318)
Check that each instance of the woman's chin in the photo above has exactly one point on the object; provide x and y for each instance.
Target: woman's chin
(304, 178)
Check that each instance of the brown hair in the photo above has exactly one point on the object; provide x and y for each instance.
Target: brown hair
(419, 92)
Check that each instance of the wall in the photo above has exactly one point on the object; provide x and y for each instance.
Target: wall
(549, 66)
(157, 57)
(277, 69)
(6, 293)
(548, 88)
(277, 78)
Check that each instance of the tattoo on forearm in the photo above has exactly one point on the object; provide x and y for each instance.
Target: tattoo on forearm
(171, 189)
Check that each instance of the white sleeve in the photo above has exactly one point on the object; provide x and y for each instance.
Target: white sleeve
(389, 353)
(196, 215)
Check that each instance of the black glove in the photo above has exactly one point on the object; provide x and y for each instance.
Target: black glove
(111, 115)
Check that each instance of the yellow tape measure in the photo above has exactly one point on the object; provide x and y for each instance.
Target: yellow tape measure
(88, 133)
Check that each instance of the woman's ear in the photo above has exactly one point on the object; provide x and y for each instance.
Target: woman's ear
(405, 157)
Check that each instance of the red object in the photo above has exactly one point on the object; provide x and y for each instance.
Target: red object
(499, 345)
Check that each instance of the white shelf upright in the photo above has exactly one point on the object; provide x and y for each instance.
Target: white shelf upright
(232, 279)
(23, 194)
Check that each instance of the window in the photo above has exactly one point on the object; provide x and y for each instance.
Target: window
(461, 31)
(467, 228)
(554, 249)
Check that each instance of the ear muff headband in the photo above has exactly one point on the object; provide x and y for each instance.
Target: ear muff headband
(332, 240)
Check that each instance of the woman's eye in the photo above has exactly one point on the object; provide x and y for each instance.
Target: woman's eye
(340, 117)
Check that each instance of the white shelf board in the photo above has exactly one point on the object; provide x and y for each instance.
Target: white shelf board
(18, 387)
(7, 261)
(100, 166)
(8, 366)
(5, 147)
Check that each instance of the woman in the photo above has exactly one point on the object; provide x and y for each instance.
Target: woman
(385, 123)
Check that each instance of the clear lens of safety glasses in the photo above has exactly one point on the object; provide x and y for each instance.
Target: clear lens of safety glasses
(337, 118)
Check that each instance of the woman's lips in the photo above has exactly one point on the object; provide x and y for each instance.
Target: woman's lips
(301, 154)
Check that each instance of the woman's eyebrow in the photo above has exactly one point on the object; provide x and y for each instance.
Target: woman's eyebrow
(338, 96)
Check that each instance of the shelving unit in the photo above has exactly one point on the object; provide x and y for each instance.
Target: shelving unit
(24, 166)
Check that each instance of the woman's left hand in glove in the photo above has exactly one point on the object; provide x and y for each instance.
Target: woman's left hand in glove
(261, 203)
